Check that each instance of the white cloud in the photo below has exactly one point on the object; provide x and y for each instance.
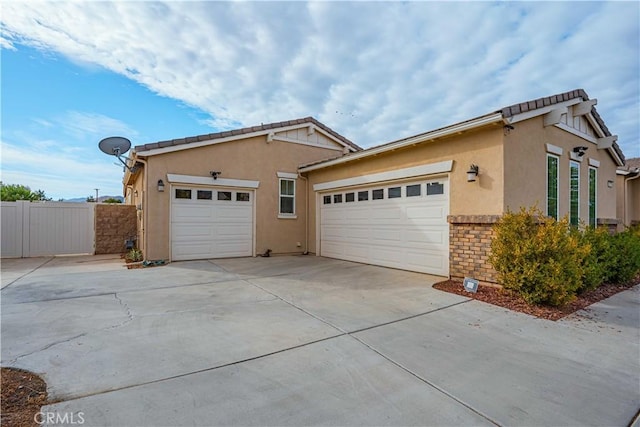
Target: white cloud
(374, 71)
(66, 166)
(84, 125)
(59, 174)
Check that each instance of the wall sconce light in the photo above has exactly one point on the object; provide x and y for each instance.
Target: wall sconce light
(215, 174)
(610, 184)
(160, 185)
(580, 150)
(472, 173)
(507, 129)
(135, 193)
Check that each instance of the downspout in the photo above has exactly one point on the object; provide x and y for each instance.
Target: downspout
(626, 204)
(306, 215)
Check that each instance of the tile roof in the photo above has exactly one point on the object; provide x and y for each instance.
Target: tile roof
(506, 112)
(243, 131)
(523, 107)
(631, 164)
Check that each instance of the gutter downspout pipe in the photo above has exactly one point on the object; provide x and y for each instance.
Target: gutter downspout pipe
(306, 214)
(635, 174)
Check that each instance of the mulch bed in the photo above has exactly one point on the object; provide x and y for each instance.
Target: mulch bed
(23, 393)
(512, 301)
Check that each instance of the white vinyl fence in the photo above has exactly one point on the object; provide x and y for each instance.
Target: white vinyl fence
(31, 229)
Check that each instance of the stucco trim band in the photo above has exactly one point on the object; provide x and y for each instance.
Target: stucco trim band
(473, 219)
(207, 180)
(430, 169)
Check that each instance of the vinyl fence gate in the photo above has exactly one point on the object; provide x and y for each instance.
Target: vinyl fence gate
(31, 229)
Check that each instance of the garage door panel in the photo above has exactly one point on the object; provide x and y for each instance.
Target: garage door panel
(334, 249)
(185, 232)
(422, 236)
(428, 260)
(233, 231)
(424, 212)
(358, 233)
(386, 236)
(183, 212)
(389, 255)
(404, 232)
(191, 250)
(356, 252)
(234, 213)
(332, 233)
(386, 213)
(211, 228)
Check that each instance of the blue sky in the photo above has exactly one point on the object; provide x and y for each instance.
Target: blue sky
(76, 72)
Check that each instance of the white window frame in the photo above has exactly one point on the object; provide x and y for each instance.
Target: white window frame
(573, 163)
(284, 176)
(595, 202)
(557, 185)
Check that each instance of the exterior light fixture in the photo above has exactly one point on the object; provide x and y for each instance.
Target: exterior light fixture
(472, 173)
(610, 184)
(160, 185)
(580, 150)
(215, 174)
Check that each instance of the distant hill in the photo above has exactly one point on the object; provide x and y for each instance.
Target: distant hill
(100, 199)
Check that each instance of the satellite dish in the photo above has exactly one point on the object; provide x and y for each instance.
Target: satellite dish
(114, 145)
(117, 146)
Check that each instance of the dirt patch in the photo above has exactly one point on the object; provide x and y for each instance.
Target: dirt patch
(512, 301)
(23, 394)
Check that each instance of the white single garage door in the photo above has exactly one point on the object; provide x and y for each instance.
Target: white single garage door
(209, 222)
(394, 225)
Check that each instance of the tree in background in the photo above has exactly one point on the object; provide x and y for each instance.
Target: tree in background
(112, 200)
(13, 192)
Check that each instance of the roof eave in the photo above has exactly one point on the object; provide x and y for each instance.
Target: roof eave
(179, 147)
(418, 139)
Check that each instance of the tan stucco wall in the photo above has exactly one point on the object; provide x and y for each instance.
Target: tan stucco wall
(525, 169)
(482, 147)
(634, 200)
(250, 159)
(628, 211)
(134, 195)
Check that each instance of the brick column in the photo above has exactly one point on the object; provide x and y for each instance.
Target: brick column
(470, 245)
(611, 224)
(114, 224)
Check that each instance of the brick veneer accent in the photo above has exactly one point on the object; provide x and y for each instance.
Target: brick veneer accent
(470, 245)
(114, 224)
(611, 224)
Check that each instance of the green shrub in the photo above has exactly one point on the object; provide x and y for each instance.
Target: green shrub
(625, 248)
(600, 259)
(134, 255)
(538, 257)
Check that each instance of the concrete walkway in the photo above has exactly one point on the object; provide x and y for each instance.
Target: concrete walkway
(307, 341)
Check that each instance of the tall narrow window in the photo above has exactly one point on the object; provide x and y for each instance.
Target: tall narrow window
(593, 195)
(552, 186)
(287, 196)
(574, 193)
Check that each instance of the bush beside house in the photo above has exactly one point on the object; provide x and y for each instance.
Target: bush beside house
(548, 262)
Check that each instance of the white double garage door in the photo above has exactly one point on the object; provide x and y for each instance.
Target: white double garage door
(400, 225)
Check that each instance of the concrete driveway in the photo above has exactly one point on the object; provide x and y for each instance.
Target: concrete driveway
(306, 341)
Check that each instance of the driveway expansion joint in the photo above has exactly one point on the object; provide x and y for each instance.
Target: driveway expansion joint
(29, 272)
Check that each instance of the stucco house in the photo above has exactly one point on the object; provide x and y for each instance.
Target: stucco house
(227, 194)
(423, 203)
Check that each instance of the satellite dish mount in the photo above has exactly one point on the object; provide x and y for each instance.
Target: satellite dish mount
(117, 146)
